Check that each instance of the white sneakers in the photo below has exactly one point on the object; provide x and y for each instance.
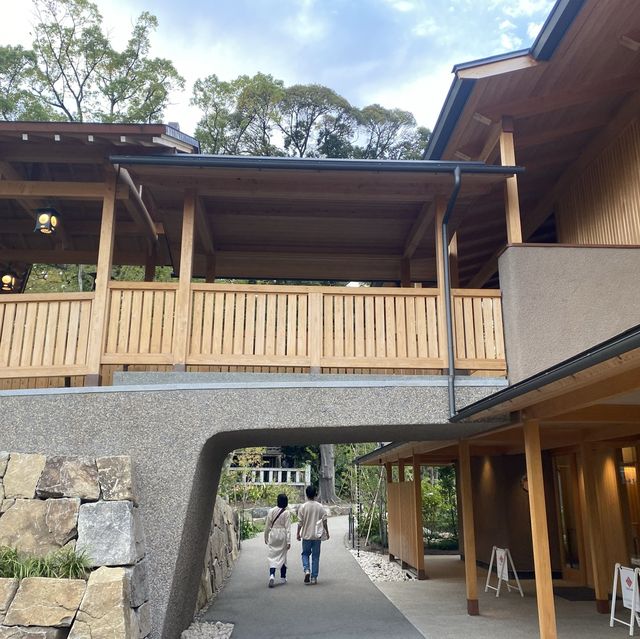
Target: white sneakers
(272, 581)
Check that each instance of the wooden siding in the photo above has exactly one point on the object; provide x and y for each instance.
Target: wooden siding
(603, 205)
(402, 524)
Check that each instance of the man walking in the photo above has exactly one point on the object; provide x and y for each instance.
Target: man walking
(312, 529)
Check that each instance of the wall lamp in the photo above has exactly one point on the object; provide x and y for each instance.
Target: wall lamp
(7, 280)
(47, 220)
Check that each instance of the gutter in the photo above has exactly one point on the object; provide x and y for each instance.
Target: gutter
(457, 183)
(316, 164)
(614, 347)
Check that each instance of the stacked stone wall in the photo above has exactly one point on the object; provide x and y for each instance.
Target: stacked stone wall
(223, 549)
(89, 505)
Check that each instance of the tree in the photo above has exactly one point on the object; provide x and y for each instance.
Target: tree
(73, 73)
(327, 474)
(389, 134)
(311, 115)
(238, 116)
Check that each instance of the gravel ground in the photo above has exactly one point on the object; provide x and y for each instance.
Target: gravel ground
(204, 630)
(378, 567)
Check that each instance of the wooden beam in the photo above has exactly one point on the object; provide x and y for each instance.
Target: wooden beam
(539, 531)
(602, 414)
(490, 69)
(468, 528)
(595, 536)
(100, 303)
(137, 208)
(183, 295)
(31, 190)
(422, 223)
(512, 203)
(491, 145)
(440, 210)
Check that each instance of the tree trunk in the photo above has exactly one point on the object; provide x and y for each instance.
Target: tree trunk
(327, 474)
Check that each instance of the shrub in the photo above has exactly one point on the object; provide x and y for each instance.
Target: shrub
(249, 529)
(60, 564)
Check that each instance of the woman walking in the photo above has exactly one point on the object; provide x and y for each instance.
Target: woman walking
(277, 536)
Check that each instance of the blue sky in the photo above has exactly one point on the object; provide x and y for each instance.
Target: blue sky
(395, 52)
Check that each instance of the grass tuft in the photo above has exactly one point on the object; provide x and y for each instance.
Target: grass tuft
(60, 564)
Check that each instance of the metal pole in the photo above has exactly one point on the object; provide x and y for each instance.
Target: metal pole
(359, 506)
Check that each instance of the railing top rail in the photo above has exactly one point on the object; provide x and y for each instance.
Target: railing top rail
(156, 286)
(476, 292)
(332, 290)
(45, 297)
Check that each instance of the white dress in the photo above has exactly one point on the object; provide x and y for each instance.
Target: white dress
(277, 536)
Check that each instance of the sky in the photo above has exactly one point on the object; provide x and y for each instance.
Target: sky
(398, 53)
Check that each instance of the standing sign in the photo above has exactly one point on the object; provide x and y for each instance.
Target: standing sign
(628, 579)
(502, 558)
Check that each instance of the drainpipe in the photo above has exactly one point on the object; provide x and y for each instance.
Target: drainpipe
(457, 181)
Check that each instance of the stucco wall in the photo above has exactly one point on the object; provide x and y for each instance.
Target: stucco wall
(558, 301)
(178, 436)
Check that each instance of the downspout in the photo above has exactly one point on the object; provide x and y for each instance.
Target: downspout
(457, 182)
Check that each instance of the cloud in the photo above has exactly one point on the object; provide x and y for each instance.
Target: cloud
(510, 42)
(533, 29)
(401, 5)
(520, 8)
(506, 25)
(425, 28)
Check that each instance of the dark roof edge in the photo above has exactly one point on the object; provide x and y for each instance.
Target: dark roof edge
(250, 162)
(377, 452)
(613, 347)
(556, 25)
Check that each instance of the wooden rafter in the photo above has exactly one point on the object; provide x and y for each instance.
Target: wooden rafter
(137, 208)
(203, 227)
(34, 190)
(423, 221)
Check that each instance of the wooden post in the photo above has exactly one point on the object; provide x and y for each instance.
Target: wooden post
(183, 295)
(400, 470)
(539, 531)
(453, 261)
(595, 535)
(210, 275)
(417, 495)
(405, 273)
(100, 306)
(315, 332)
(150, 264)
(512, 203)
(389, 468)
(441, 207)
(468, 531)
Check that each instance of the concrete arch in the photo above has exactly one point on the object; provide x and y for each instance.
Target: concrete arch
(178, 436)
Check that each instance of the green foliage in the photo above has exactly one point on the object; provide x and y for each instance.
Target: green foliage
(61, 564)
(439, 509)
(249, 529)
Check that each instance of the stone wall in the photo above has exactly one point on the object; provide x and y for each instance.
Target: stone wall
(223, 549)
(86, 504)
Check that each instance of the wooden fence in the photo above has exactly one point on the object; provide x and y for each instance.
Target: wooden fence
(253, 326)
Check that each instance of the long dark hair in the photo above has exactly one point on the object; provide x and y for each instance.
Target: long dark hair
(283, 500)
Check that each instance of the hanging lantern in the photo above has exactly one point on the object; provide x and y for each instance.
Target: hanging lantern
(7, 281)
(47, 220)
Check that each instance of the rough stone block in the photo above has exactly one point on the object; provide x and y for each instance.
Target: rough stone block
(105, 612)
(45, 602)
(116, 478)
(33, 632)
(22, 475)
(8, 589)
(4, 458)
(69, 477)
(139, 584)
(106, 533)
(143, 614)
(6, 504)
(138, 533)
(1, 491)
(38, 527)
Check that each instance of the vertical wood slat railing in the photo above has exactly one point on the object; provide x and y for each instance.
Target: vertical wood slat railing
(140, 323)
(252, 325)
(44, 335)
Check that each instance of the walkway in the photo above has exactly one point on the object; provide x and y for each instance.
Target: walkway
(343, 605)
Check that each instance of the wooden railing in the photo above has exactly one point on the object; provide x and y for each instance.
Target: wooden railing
(257, 326)
(271, 475)
(44, 334)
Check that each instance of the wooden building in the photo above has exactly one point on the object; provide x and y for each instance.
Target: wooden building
(511, 249)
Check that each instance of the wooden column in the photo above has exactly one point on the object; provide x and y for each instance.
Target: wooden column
(417, 495)
(315, 333)
(400, 470)
(468, 530)
(405, 273)
(183, 295)
(100, 306)
(210, 275)
(453, 261)
(539, 531)
(150, 264)
(389, 468)
(595, 537)
(441, 207)
(512, 203)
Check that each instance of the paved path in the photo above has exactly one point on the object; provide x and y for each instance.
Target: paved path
(344, 604)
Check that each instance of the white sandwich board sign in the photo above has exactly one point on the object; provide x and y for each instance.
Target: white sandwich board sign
(630, 591)
(502, 559)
